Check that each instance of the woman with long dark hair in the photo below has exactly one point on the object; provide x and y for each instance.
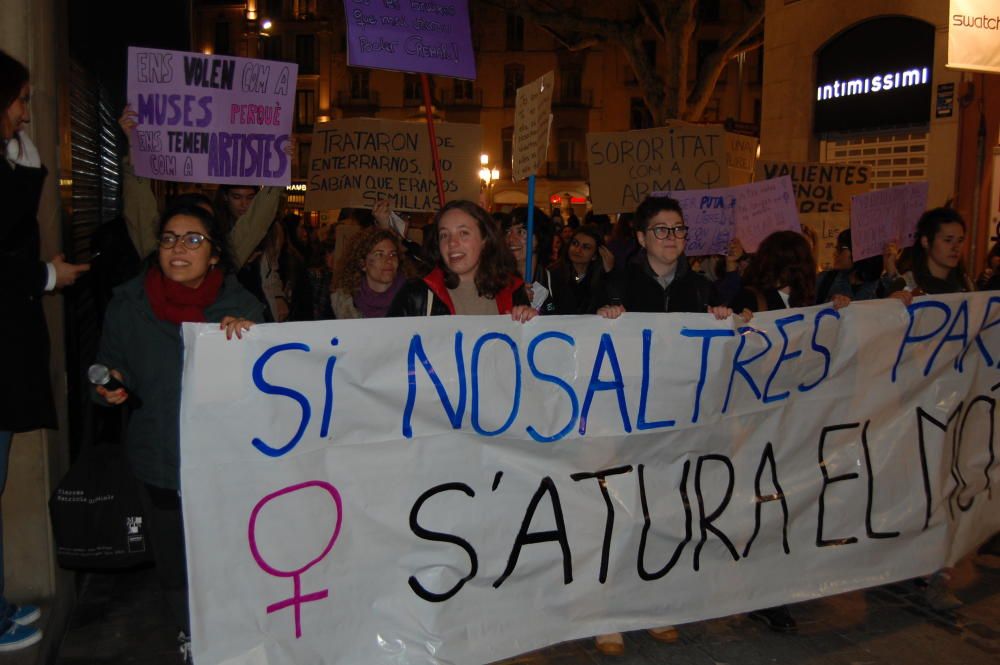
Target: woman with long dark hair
(579, 277)
(188, 279)
(26, 403)
(474, 272)
(937, 265)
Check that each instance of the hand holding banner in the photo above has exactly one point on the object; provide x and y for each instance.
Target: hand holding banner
(211, 118)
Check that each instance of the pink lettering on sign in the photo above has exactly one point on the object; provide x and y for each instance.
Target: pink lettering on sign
(297, 599)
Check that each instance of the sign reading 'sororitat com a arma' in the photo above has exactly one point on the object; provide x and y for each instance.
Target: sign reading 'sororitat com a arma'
(211, 118)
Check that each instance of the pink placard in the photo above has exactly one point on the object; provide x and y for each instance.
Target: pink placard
(884, 216)
(211, 118)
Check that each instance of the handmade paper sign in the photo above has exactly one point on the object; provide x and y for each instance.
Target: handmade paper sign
(820, 187)
(359, 161)
(532, 121)
(211, 118)
(884, 216)
(411, 36)
(750, 212)
(742, 155)
(626, 167)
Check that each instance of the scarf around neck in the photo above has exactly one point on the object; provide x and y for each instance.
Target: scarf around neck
(175, 303)
(375, 305)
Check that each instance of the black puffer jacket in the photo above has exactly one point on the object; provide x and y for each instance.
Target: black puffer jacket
(639, 291)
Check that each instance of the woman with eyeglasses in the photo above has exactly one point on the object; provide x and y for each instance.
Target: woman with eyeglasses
(370, 276)
(858, 280)
(660, 279)
(188, 280)
(580, 276)
(473, 273)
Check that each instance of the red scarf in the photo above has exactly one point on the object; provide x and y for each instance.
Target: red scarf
(176, 303)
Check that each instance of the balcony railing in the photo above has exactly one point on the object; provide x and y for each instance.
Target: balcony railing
(574, 170)
(346, 99)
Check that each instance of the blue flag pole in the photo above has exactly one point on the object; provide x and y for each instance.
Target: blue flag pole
(530, 229)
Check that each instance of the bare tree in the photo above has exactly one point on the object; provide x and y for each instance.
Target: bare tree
(671, 22)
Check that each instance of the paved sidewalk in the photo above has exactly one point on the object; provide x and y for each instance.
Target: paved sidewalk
(119, 619)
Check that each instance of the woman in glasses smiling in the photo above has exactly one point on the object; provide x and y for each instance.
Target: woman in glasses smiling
(188, 279)
(661, 281)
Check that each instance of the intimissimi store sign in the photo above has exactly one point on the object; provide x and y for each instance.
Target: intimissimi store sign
(877, 74)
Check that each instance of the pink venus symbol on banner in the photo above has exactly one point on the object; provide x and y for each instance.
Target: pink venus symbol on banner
(297, 599)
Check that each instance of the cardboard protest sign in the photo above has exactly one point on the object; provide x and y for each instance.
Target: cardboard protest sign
(356, 162)
(211, 118)
(825, 228)
(411, 36)
(626, 167)
(884, 216)
(820, 187)
(439, 486)
(532, 122)
(750, 212)
(741, 151)
(974, 36)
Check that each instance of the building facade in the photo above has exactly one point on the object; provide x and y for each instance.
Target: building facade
(595, 88)
(867, 82)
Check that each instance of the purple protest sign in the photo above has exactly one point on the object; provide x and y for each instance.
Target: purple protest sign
(211, 118)
(411, 36)
(750, 212)
(884, 216)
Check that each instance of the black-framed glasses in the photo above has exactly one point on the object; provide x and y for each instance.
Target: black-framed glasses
(190, 240)
(664, 232)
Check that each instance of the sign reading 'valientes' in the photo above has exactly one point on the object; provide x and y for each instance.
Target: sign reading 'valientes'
(411, 36)
(216, 119)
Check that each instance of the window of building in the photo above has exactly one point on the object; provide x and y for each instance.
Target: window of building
(463, 90)
(360, 83)
(515, 32)
(304, 149)
(305, 53)
(639, 115)
(513, 78)
(304, 9)
(507, 148)
(413, 90)
(568, 150)
(270, 48)
(711, 113)
(571, 84)
(649, 47)
(709, 10)
(222, 45)
(305, 108)
(706, 47)
(897, 157)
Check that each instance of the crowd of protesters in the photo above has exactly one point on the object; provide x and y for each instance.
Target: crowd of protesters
(237, 259)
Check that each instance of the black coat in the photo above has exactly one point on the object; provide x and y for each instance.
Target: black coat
(639, 291)
(26, 402)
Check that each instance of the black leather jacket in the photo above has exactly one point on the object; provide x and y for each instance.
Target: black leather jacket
(639, 291)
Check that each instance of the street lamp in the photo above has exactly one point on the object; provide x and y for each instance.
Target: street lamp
(488, 178)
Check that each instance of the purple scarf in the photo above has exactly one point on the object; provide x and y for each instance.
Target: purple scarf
(374, 305)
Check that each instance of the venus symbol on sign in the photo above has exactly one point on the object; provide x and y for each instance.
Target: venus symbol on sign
(297, 599)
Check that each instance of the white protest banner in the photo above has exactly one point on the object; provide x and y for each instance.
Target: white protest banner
(356, 162)
(626, 167)
(750, 212)
(211, 118)
(532, 122)
(974, 35)
(820, 187)
(461, 489)
(884, 216)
